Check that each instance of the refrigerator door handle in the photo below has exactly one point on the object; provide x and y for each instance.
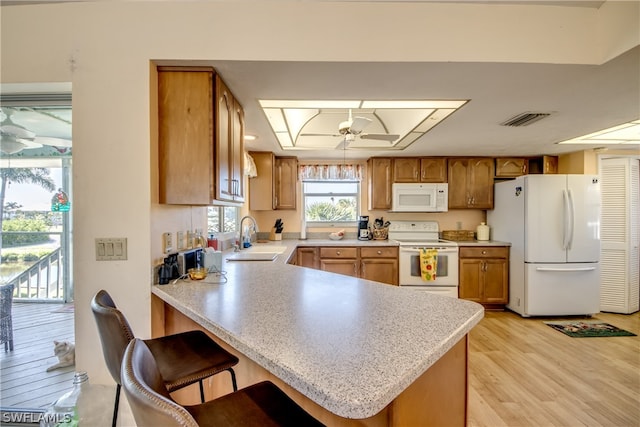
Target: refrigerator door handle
(565, 220)
(565, 269)
(572, 219)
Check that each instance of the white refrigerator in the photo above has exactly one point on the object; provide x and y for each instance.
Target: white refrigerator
(553, 224)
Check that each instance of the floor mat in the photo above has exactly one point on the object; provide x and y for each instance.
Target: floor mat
(589, 329)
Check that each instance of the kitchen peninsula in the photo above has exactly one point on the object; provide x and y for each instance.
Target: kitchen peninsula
(350, 351)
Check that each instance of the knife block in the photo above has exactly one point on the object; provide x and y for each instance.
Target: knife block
(275, 236)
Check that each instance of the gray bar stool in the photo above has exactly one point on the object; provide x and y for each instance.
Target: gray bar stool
(182, 359)
(259, 405)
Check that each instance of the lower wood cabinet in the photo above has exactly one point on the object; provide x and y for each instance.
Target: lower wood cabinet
(484, 274)
(307, 257)
(341, 260)
(379, 263)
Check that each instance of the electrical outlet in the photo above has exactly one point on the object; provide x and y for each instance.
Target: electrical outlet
(190, 239)
(167, 243)
(180, 240)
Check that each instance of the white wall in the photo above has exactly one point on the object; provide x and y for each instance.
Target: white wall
(104, 49)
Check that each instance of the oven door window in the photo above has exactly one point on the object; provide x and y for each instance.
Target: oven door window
(441, 272)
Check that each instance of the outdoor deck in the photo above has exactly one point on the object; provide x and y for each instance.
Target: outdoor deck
(25, 382)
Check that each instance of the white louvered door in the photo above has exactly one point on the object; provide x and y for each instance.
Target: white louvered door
(620, 235)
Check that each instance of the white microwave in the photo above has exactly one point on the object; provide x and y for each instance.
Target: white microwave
(420, 197)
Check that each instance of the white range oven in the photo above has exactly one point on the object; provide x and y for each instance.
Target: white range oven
(412, 237)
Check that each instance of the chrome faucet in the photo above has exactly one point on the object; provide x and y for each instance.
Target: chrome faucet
(254, 227)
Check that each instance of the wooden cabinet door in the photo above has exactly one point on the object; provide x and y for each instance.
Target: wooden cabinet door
(433, 169)
(229, 145)
(185, 150)
(510, 167)
(262, 187)
(383, 270)
(237, 152)
(549, 164)
(348, 267)
(458, 177)
(380, 181)
(286, 174)
(470, 286)
(406, 169)
(224, 143)
(495, 281)
(481, 183)
(307, 257)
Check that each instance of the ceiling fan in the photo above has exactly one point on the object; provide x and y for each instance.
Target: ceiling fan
(353, 127)
(15, 138)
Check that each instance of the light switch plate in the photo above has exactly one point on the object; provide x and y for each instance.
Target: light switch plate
(167, 243)
(111, 249)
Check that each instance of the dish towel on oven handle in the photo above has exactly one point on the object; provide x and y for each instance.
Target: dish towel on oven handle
(428, 264)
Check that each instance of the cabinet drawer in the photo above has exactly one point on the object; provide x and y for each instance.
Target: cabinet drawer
(379, 252)
(484, 252)
(339, 252)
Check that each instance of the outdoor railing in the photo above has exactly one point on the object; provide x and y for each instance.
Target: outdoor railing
(42, 281)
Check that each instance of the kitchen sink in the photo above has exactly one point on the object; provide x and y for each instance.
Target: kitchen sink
(265, 248)
(252, 256)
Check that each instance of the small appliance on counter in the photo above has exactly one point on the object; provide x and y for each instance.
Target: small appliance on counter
(482, 231)
(363, 228)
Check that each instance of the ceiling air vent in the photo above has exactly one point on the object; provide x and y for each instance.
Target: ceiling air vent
(525, 119)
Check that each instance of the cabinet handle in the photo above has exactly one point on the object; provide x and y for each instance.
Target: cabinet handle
(379, 252)
(337, 252)
(484, 252)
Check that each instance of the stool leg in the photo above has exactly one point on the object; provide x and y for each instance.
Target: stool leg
(201, 391)
(115, 406)
(233, 379)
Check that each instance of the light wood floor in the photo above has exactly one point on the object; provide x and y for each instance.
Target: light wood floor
(25, 382)
(523, 373)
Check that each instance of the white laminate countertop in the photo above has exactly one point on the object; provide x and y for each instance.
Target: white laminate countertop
(348, 344)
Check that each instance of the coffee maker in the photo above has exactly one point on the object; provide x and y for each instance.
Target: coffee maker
(363, 228)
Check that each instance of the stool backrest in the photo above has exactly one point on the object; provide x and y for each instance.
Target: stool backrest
(6, 298)
(6, 324)
(144, 387)
(114, 330)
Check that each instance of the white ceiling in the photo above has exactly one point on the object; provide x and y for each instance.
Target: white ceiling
(581, 99)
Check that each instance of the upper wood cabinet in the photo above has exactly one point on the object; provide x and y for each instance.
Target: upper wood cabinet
(185, 125)
(286, 177)
(406, 169)
(229, 145)
(433, 169)
(419, 169)
(379, 174)
(200, 144)
(275, 186)
(543, 164)
(511, 167)
(471, 183)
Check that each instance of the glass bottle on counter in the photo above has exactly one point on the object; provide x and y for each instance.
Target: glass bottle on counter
(83, 405)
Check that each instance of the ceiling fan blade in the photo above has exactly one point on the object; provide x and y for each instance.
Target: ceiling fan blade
(16, 130)
(343, 145)
(358, 124)
(379, 137)
(320, 134)
(55, 142)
